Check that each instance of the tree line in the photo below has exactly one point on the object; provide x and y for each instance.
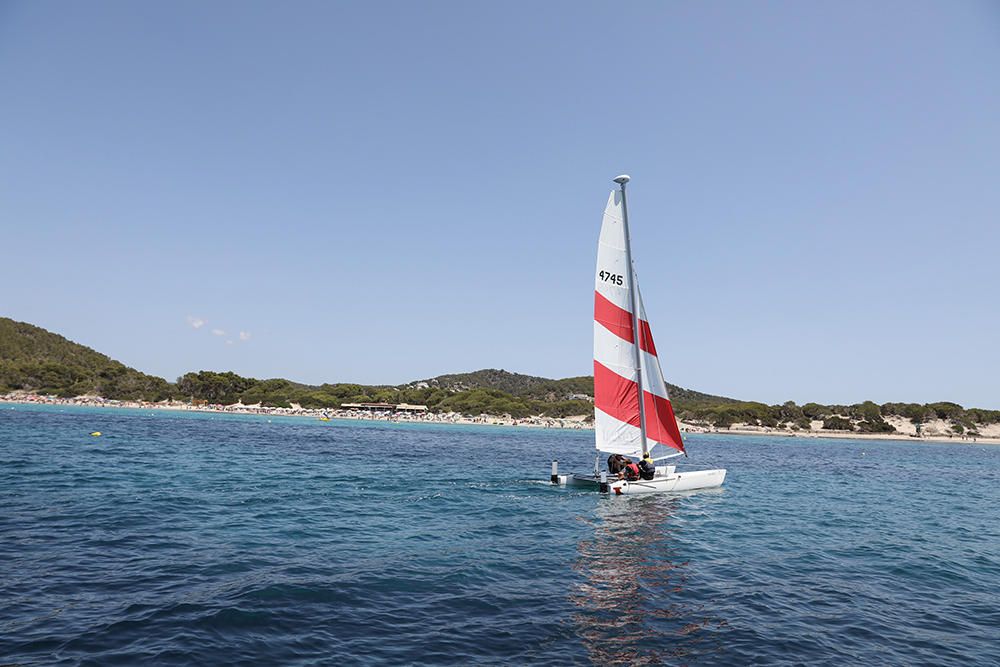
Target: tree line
(866, 417)
(116, 381)
(36, 360)
(228, 388)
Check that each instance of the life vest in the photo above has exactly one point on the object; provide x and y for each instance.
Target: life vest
(631, 472)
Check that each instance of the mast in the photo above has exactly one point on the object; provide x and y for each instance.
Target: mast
(622, 180)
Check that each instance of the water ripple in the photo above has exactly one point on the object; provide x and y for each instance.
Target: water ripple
(205, 539)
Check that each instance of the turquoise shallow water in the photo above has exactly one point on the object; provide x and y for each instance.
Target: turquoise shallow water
(206, 539)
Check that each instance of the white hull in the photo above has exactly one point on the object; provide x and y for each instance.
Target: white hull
(661, 483)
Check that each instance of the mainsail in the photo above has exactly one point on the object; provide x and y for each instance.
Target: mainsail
(617, 418)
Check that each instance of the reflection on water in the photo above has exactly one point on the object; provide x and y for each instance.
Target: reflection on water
(629, 608)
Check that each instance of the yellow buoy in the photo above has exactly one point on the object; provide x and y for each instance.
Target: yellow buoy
(96, 433)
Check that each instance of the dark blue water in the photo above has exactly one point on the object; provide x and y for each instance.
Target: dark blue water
(197, 539)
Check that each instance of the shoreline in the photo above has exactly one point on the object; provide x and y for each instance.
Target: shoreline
(845, 435)
(565, 423)
(568, 423)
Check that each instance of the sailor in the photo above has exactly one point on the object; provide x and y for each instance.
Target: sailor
(647, 469)
(631, 471)
(615, 463)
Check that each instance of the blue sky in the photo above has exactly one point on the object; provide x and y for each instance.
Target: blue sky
(386, 191)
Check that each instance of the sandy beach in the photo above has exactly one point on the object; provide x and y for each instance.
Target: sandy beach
(990, 433)
(575, 423)
(906, 432)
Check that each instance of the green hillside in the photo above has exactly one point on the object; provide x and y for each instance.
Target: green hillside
(516, 384)
(531, 386)
(34, 359)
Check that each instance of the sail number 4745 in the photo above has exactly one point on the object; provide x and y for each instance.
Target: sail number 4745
(613, 278)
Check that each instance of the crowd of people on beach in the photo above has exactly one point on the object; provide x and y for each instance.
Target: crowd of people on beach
(387, 415)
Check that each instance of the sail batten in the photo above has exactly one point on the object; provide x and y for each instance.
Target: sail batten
(616, 373)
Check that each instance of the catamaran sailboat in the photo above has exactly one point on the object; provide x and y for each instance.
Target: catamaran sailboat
(626, 367)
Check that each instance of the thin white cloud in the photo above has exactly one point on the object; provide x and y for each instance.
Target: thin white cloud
(198, 323)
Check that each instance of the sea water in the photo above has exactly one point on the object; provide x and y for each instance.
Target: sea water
(178, 538)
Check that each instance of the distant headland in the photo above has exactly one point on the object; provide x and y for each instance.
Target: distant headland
(37, 365)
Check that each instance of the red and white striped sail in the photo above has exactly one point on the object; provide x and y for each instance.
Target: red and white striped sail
(616, 390)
